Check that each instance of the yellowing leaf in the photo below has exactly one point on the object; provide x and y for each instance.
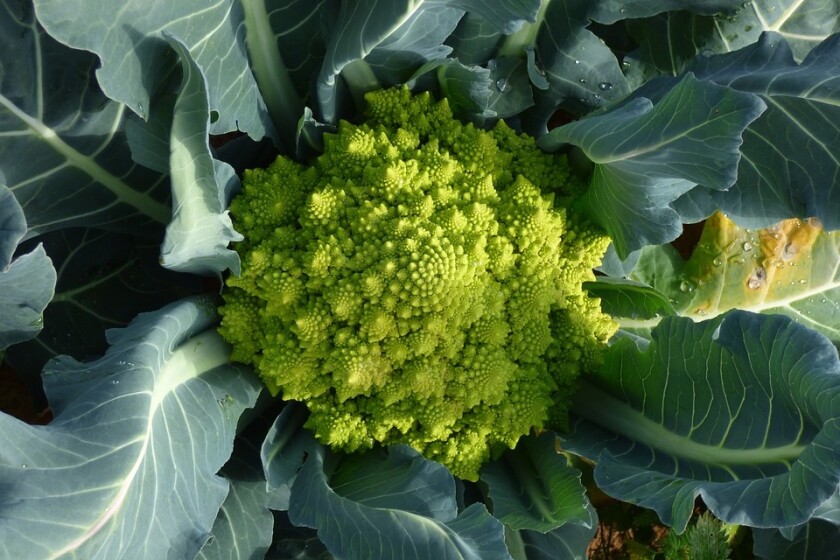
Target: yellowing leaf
(791, 268)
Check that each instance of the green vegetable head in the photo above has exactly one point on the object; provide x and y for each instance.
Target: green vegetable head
(416, 284)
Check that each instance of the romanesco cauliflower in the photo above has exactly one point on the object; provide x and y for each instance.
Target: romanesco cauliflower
(416, 284)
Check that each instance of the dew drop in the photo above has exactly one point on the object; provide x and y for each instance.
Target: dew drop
(23, 466)
(757, 278)
(706, 53)
(717, 261)
(115, 382)
(503, 86)
(625, 64)
(605, 86)
(38, 322)
(803, 281)
(789, 251)
(686, 287)
(701, 311)
(747, 246)
(577, 61)
(582, 80)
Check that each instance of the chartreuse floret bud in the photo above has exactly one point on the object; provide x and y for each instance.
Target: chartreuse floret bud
(420, 282)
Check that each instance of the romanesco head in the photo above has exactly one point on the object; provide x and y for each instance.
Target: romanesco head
(409, 285)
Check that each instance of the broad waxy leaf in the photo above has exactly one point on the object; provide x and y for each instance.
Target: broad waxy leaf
(243, 527)
(128, 39)
(395, 506)
(669, 41)
(801, 100)
(26, 287)
(63, 150)
(742, 410)
(285, 45)
(647, 155)
(27, 283)
(791, 268)
(198, 236)
(104, 280)
(133, 451)
(578, 66)
(611, 11)
(568, 542)
(533, 488)
(283, 451)
(817, 540)
(395, 38)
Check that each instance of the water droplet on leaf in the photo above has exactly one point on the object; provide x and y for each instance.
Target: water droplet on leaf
(605, 86)
(757, 278)
(503, 86)
(577, 61)
(686, 286)
(747, 246)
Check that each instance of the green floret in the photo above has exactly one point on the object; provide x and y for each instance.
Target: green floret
(420, 283)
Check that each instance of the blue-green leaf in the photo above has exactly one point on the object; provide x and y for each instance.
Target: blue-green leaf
(647, 155)
(285, 46)
(128, 39)
(817, 540)
(283, 451)
(244, 526)
(27, 283)
(63, 150)
(133, 451)
(742, 410)
(104, 280)
(580, 69)
(398, 505)
(611, 11)
(628, 301)
(569, 542)
(789, 166)
(533, 487)
(364, 25)
(198, 236)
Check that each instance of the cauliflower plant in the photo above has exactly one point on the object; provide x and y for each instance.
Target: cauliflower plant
(419, 283)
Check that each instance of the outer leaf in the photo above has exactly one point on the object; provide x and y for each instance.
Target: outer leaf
(62, 143)
(816, 541)
(578, 65)
(243, 528)
(283, 452)
(285, 46)
(669, 41)
(300, 543)
(396, 37)
(128, 39)
(104, 280)
(569, 542)
(474, 40)
(532, 487)
(792, 268)
(12, 226)
(801, 182)
(26, 283)
(362, 26)
(742, 410)
(646, 156)
(197, 239)
(134, 447)
(611, 11)
(399, 506)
